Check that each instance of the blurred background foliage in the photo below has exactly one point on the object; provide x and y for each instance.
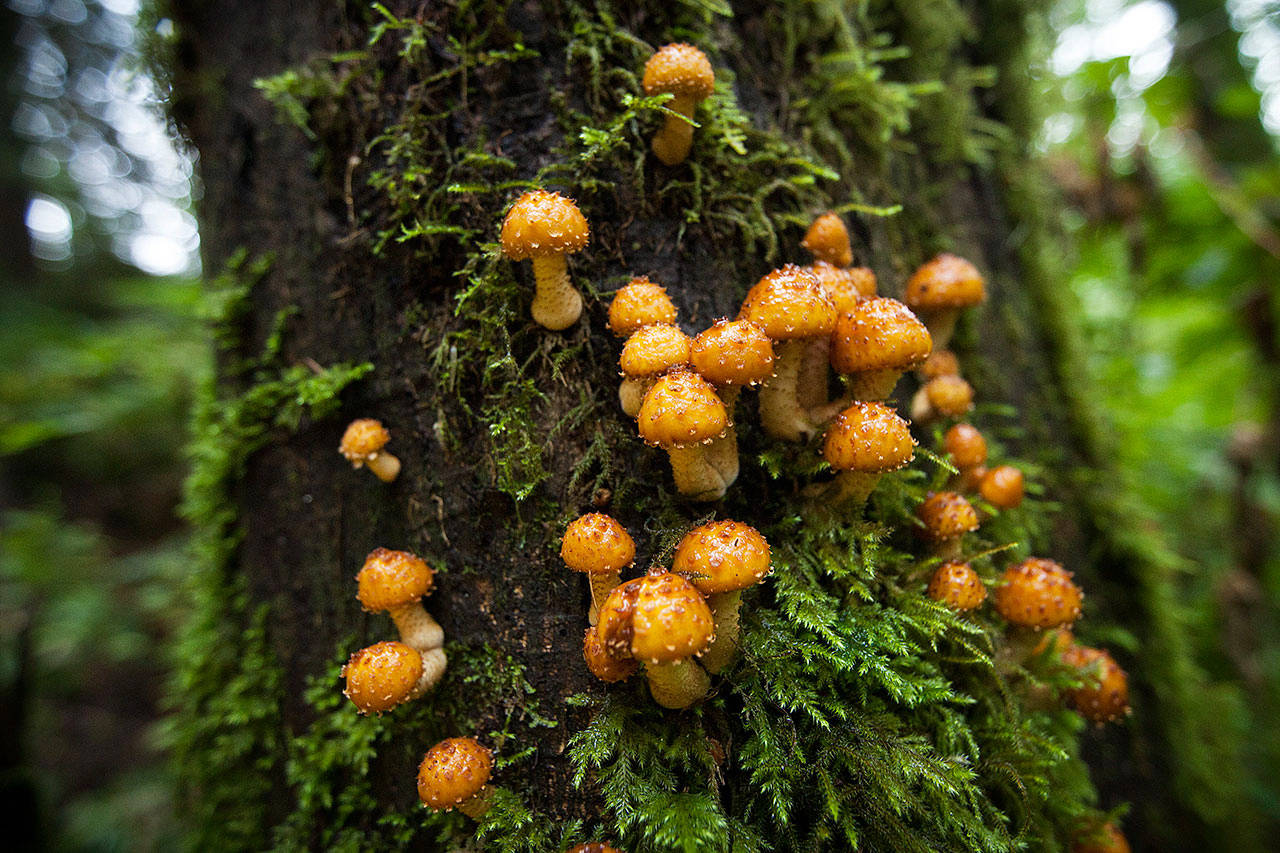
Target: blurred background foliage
(1161, 123)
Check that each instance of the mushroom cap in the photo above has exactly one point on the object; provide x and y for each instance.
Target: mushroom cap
(879, 334)
(543, 223)
(1038, 593)
(1106, 699)
(382, 676)
(733, 352)
(452, 772)
(653, 350)
(722, 556)
(868, 437)
(681, 409)
(392, 579)
(637, 304)
(947, 281)
(965, 445)
(658, 618)
(847, 286)
(1103, 839)
(957, 585)
(680, 69)
(363, 438)
(828, 240)
(593, 847)
(949, 396)
(597, 544)
(602, 664)
(1002, 486)
(941, 362)
(790, 303)
(947, 515)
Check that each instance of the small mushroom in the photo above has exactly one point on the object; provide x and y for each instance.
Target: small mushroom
(1038, 593)
(957, 585)
(637, 304)
(597, 545)
(940, 289)
(729, 355)
(684, 72)
(383, 676)
(603, 665)
(455, 774)
(828, 240)
(650, 352)
(721, 559)
(363, 443)
(396, 581)
(545, 227)
(1002, 487)
(1105, 695)
(862, 443)
(946, 517)
(682, 414)
(947, 396)
(968, 451)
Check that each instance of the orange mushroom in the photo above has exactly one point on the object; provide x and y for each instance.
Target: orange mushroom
(939, 289)
(383, 676)
(862, 443)
(684, 72)
(545, 227)
(362, 444)
(396, 581)
(682, 414)
(455, 774)
(597, 545)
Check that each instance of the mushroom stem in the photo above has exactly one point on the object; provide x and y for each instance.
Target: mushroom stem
(695, 476)
(811, 381)
(677, 684)
(780, 412)
(602, 583)
(385, 466)
(722, 452)
(674, 140)
(475, 807)
(724, 648)
(941, 325)
(853, 488)
(556, 303)
(434, 663)
(631, 394)
(417, 629)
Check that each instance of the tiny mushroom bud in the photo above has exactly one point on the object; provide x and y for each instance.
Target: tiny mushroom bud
(947, 517)
(828, 240)
(729, 355)
(396, 581)
(1038, 593)
(681, 413)
(382, 676)
(601, 547)
(1002, 487)
(865, 441)
(649, 352)
(603, 665)
(722, 558)
(939, 290)
(1106, 838)
(957, 585)
(1105, 695)
(944, 396)
(455, 774)
(684, 72)
(941, 362)
(637, 304)
(363, 443)
(545, 227)
(874, 343)
(663, 621)
(968, 451)
(792, 308)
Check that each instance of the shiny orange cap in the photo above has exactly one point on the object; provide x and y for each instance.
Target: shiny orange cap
(733, 352)
(879, 334)
(597, 544)
(957, 585)
(947, 281)
(680, 69)
(542, 223)
(653, 350)
(452, 772)
(381, 676)
(363, 438)
(681, 409)
(658, 618)
(789, 303)
(1038, 593)
(722, 556)
(868, 437)
(391, 579)
(947, 515)
(637, 304)
(828, 240)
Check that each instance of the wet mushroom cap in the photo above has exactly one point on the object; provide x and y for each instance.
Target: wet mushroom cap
(879, 334)
(638, 304)
(941, 362)
(363, 438)
(658, 618)
(603, 665)
(1002, 486)
(847, 286)
(1108, 698)
(542, 223)
(597, 544)
(681, 409)
(653, 350)
(392, 579)
(381, 676)
(1038, 593)
(828, 240)
(789, 303)
(965, 445)
(957, 585)
(733, 352)
(947, 515)
(947, 281)
(679, 69)
(868, 437)
(453, 771)
(949, 395)
(722, 556)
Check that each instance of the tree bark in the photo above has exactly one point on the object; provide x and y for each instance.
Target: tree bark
(320, 208)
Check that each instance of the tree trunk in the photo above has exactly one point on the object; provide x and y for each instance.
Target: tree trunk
(357, 209)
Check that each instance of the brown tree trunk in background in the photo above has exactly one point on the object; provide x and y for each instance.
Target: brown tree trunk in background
(309, 519)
